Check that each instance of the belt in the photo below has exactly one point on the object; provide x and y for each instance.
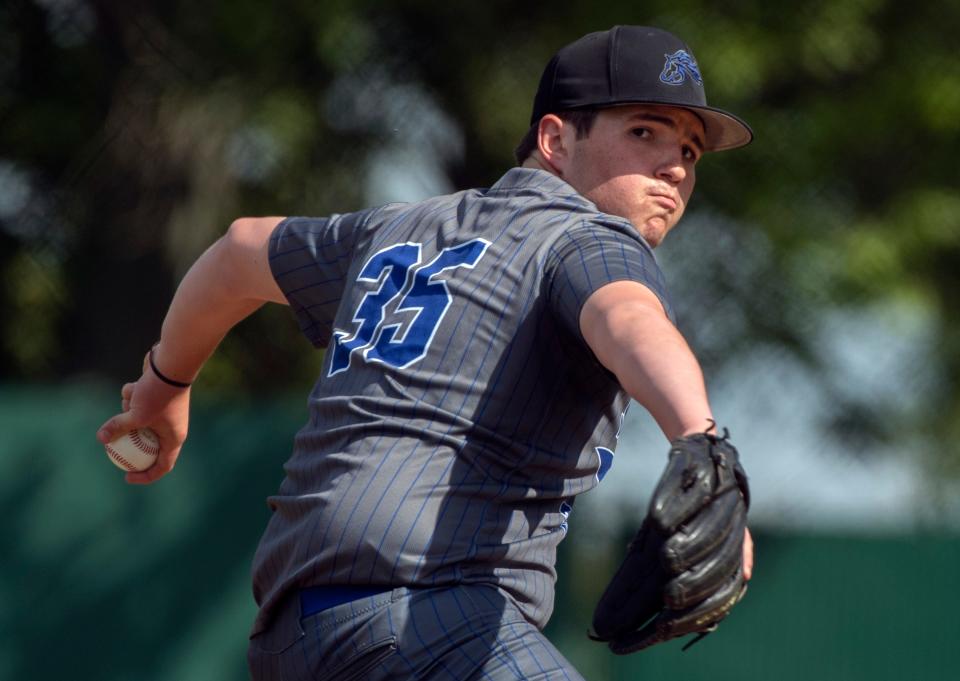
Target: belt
(316, 599)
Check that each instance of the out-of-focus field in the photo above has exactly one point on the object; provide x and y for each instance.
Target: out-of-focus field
(104, 581)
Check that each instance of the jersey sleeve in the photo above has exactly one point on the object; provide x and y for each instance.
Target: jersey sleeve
(591, 255)
(309, 258)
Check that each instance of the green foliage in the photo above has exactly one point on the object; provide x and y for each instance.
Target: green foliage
(143, 131)
(35, 293)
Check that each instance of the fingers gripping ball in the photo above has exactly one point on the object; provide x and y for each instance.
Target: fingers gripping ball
(135, 451)
(683, 572)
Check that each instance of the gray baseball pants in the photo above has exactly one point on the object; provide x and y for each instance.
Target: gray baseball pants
(454, 633)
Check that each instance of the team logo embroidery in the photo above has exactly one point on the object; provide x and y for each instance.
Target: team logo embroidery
(679, 66)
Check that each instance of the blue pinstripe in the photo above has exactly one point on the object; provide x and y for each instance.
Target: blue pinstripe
(400, 468)
(459, 633)
(435, 473)
(394, 225)
(495, 381)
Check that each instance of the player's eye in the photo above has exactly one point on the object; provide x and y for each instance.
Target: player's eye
(690, 154)
(642, 133)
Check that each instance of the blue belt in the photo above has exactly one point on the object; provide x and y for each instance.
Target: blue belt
(316, 599)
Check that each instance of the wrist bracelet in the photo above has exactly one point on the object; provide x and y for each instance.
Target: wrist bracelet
(156, 372)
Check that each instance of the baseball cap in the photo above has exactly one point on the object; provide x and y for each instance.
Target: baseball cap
(634, 65)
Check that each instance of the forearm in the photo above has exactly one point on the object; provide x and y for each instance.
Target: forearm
(226, 284)
(658, 370)
(625, 326)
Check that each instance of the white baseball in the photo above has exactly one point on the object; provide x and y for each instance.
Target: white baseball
(135, 451)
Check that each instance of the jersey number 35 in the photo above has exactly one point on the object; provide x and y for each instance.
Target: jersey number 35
(401, 282)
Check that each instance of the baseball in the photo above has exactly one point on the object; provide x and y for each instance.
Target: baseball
(135, 451)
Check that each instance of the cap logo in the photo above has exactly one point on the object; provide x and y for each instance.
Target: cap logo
(679, 66)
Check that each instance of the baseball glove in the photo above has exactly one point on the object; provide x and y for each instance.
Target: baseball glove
(683, 571)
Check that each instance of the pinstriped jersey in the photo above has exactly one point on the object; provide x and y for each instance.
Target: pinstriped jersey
(459, 411)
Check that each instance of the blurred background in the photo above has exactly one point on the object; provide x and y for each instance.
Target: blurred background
(817, 276)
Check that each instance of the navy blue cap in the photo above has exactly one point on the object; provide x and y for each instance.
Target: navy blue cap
(634, 65)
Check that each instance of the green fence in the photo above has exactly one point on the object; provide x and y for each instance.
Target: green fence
(103, 581)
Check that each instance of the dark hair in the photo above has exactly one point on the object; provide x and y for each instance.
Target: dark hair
(581, 119)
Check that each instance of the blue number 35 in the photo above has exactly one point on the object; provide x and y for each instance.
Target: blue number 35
(400, 277)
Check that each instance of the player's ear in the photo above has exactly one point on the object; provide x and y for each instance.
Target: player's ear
(554, 142)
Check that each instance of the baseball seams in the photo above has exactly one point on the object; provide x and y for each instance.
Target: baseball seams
(146, 442)
(134, 451)
(118, 459)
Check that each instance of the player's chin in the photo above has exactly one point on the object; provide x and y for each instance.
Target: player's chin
(654, 230)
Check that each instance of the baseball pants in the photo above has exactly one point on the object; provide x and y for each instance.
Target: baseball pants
(451, 633)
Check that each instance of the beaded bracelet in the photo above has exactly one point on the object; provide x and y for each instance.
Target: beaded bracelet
(156, 372)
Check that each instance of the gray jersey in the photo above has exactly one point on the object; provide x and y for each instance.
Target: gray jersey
(459, 410)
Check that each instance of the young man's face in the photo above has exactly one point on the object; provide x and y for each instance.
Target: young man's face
(638, 162)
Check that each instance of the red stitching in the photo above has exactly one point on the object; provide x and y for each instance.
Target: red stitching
(142, 445)
(115, 455)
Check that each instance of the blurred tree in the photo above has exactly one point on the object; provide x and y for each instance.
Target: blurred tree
(131, 133)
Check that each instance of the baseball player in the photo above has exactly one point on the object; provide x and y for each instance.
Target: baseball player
(481, 349)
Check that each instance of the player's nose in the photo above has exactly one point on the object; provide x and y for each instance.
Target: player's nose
(671, 168)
